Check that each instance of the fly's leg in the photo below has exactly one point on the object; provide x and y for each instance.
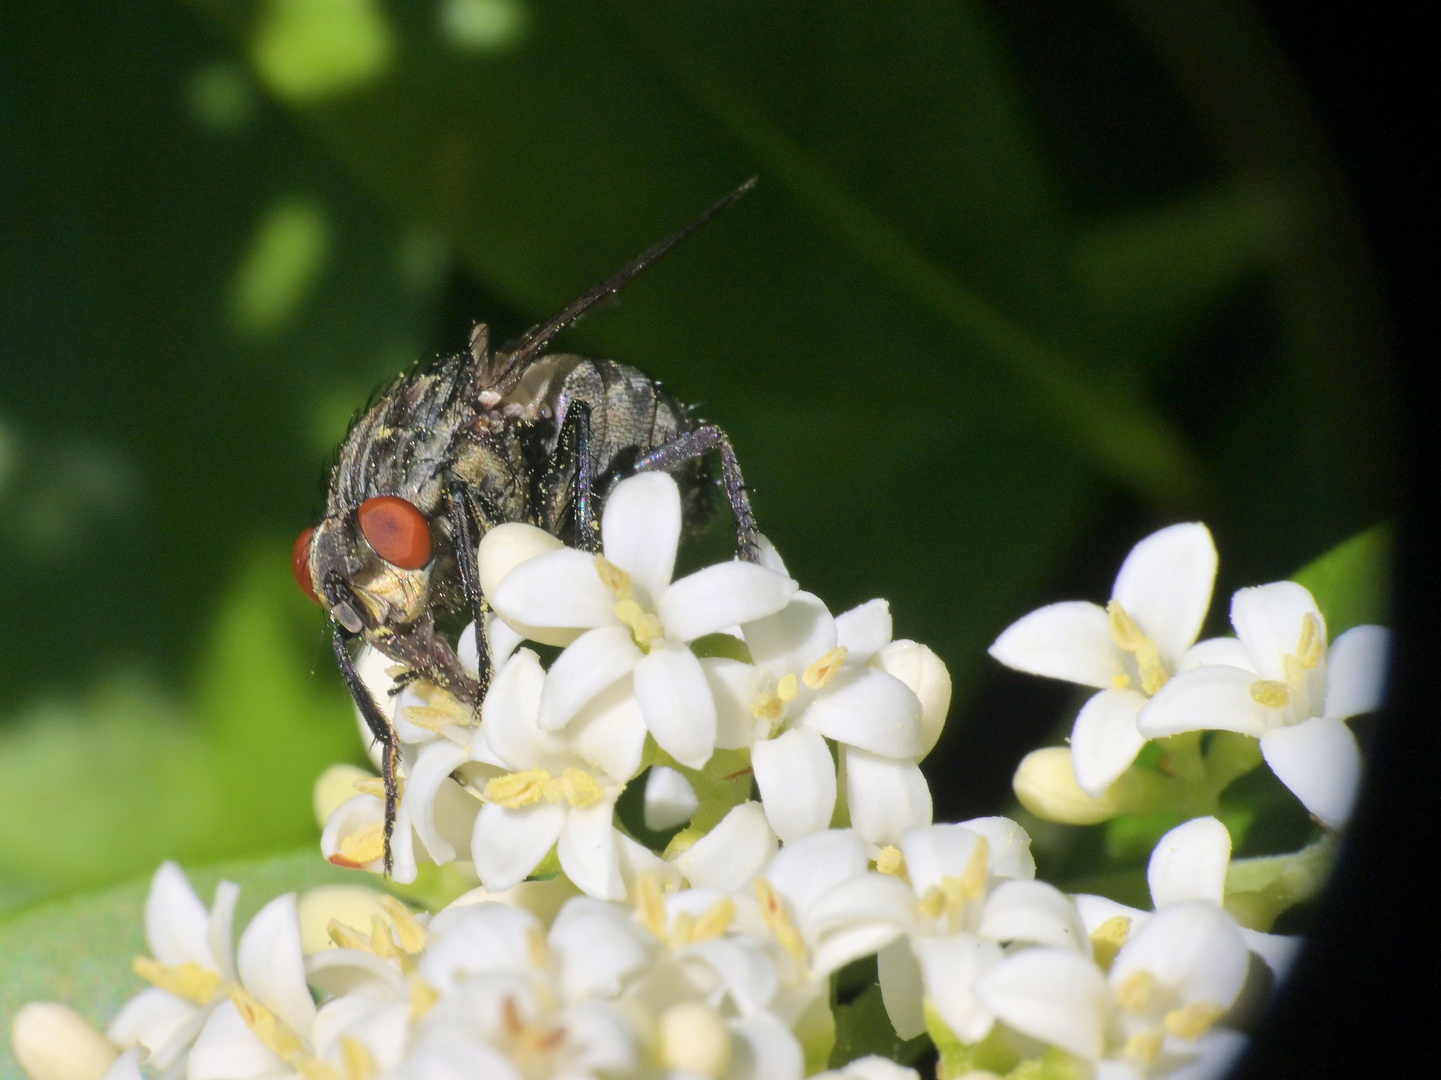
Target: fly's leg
(706, 439)
(470, 586)
(379, 725)
(574, 446)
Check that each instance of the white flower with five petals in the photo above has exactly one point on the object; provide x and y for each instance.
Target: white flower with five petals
(1128, 650)
(1278, 680)
(637, 622)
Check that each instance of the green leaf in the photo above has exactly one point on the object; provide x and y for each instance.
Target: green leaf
(79, 950)
(1352, 581)
(862, 1027)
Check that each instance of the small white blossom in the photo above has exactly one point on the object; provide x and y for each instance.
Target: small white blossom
(1278, 680)
(1128, 650)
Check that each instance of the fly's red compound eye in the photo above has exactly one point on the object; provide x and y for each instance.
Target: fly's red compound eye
(396, 531)
(300, 563)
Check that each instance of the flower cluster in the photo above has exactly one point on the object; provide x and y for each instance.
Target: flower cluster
(791, 836)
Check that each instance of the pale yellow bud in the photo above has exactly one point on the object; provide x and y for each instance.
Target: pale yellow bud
(333, 787)
(54, 1042)
(694, 1039)
(1045, 782)
(925, 673)
(349, 905)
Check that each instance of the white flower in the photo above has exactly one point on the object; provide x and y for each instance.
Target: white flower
(1277, 680)
(1189, 863)
(637, 622)
(820, 685)
(1151, 1013)
(1127, 650)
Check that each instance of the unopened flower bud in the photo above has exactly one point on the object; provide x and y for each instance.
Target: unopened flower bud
(333, 787)
(694, 1039)
(925, 673)
(54, 1042)
(1046, 784)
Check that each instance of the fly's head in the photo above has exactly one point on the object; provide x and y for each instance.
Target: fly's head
(370, 567)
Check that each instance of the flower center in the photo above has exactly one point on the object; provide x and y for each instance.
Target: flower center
(891, 862)
(948, 899)
(519, 789)
(773, 911)
(1130, 637)
(1136, 990)
(1108, 938)
(1275, 694)
(1193, 1020)
(825, 669)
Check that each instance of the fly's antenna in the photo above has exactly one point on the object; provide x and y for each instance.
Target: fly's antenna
(530, 344)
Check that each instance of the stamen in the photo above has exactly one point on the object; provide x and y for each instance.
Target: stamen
(715, 921)
(826, 668)
(973, 879)
(357, 1059)
(278, 1038)
(407, 928)
(788, 687)
(347, 937)
(1308, 649)
(515, 790)
(1295, 673)
(1130, 637)
(1136, 989)
(1145, 1046)
(933, 904)
(1270, 693)
(768, 706)
(613, 577)
(362, 847)
(1108, 938)
(650, 904)
(189, 981)
(644, 627)
(1193, 1020)
(773, 911)
(682, 930)
(580, 788)
(381, 942)
(1120, 682)
(891, 861)
(371, 785)
(423, 997)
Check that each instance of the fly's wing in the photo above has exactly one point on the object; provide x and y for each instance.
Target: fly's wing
(498, 372)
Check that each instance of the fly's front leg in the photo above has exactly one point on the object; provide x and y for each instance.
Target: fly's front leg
(575, 444)
(690, 445)
(465, 546)
(379, 725)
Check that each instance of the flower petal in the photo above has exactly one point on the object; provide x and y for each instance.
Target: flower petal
(1215, 697)
(733, 687)
(1189, 863)
(176, 922)
(1277, 950)
(937, 852)
(674, 698)
(480, 939)
(1217, 650)
(271, 964)
(797, 782)
(594, 661)
(951, 967)
(598, 946)
(226, 1049)
(510, 715)
(587, 851)
(1034, 912)
(609, 732)
(1321, 764)
(1268, 621)
(640, 530)
(508, 844)
(1105, 740)
(902, 991)
(1192, 947)
(158, 1021)
(925, 673)
(433, 766)
(764, 1050)
(669, 799)
(1070, 641)
(1055, 995)
(791, 639)
(560, 589)
(867, 708)
(720, 596)
(1010, 847)
(864, 630)
(1356, 671)
(886, 797)
(730, 855)
(803, 871)
(1165, 585)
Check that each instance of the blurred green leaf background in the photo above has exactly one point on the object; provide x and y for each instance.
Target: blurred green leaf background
(1021, 281)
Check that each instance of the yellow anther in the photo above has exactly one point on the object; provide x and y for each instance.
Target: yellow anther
(1270, 693)
(1130, 637)
(371, 785)
(312, 1068)
(644, 627)
(381, 941)
(580, 788)
(788, 687)
(1145, 1046)
(825, 669)
(773, 911)
(650, 904)
(1193, 1020)
(422, 997)
(768, 706)
(357, 1059)
(891, 861)
(1123, 628)
(1295, 673)
(682, 929)
(428, 717)
(1153, 672)
(973, 878)
(189, 981)
(715, 921)
(411, 934)
(364, 846)
(1120, 682)
(441, 708)
(1108, 938)
(278, 1038)
(613, 577)
(1308, 649)
(514, 790)
(933, 904)
(1135, 990)
(347, 937)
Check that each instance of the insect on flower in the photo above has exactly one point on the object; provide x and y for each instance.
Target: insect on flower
(461, 444)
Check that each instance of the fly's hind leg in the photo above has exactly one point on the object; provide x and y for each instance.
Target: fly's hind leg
(706, 439)
(574, 447)
(465, 545)
(379, 725)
